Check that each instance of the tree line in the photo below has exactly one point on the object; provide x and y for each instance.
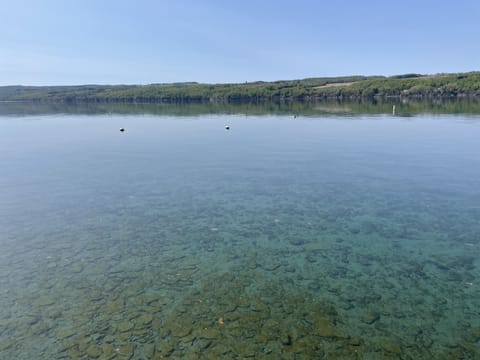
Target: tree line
(310, 89)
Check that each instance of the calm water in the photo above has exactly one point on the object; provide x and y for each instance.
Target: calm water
(340, 237)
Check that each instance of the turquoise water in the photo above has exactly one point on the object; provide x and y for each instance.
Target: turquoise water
(349, 237)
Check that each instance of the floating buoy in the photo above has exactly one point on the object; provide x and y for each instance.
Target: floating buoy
(122, 129)
(227, 127)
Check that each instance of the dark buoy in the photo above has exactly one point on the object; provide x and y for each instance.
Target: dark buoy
(122, 129)
(227, 127)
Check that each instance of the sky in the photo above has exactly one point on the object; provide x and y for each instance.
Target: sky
(71, 42)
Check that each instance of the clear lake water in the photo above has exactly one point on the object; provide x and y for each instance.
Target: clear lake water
(306, 237)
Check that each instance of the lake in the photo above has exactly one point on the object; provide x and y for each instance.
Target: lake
(330, 233)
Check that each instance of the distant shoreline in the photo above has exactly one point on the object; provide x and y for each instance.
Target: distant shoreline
(407, 86)
(380, 106)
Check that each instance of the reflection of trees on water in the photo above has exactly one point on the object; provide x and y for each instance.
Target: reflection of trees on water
(319, 108)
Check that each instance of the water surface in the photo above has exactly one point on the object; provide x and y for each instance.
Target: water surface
(309, 237)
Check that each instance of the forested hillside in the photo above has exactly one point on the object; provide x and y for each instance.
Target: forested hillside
(348, 87)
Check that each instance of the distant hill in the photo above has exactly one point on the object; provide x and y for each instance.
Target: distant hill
(310, 89)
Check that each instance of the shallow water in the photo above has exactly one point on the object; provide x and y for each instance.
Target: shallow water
(282, 238)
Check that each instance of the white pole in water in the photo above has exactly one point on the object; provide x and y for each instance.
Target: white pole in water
(393, 110)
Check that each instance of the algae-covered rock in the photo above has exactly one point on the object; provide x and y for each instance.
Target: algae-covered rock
(65, 333)
(143, 334)
(473, 335)
(75, 353)
(107, 350)
(209, 333)
(270, 330)
(259, 306)
(144, 320)
(125, 350)
(302, 349)
(325, 328)
(163, 349)
(355, 341)
(243, 302)
(286, 338)
(180, 331)
(125, 326)
(94, 351)
(113, 307)
(83, 343)
(124, 336)
(244, 349)
(391, 346)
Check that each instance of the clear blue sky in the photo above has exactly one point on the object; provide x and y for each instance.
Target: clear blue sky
(145, 41)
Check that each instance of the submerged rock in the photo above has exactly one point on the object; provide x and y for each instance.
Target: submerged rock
(43, 301)
(325, 328)
(65, 333)
(125, 326)
(94, 351)
(107, 350)
(391, 346)
(296, 242)
(125, 350)
(271, 266)
(144, 320)
(164, 349)
(473, 335)
(209, 333)
(370, 317)
(286, 339)
(179, 331)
